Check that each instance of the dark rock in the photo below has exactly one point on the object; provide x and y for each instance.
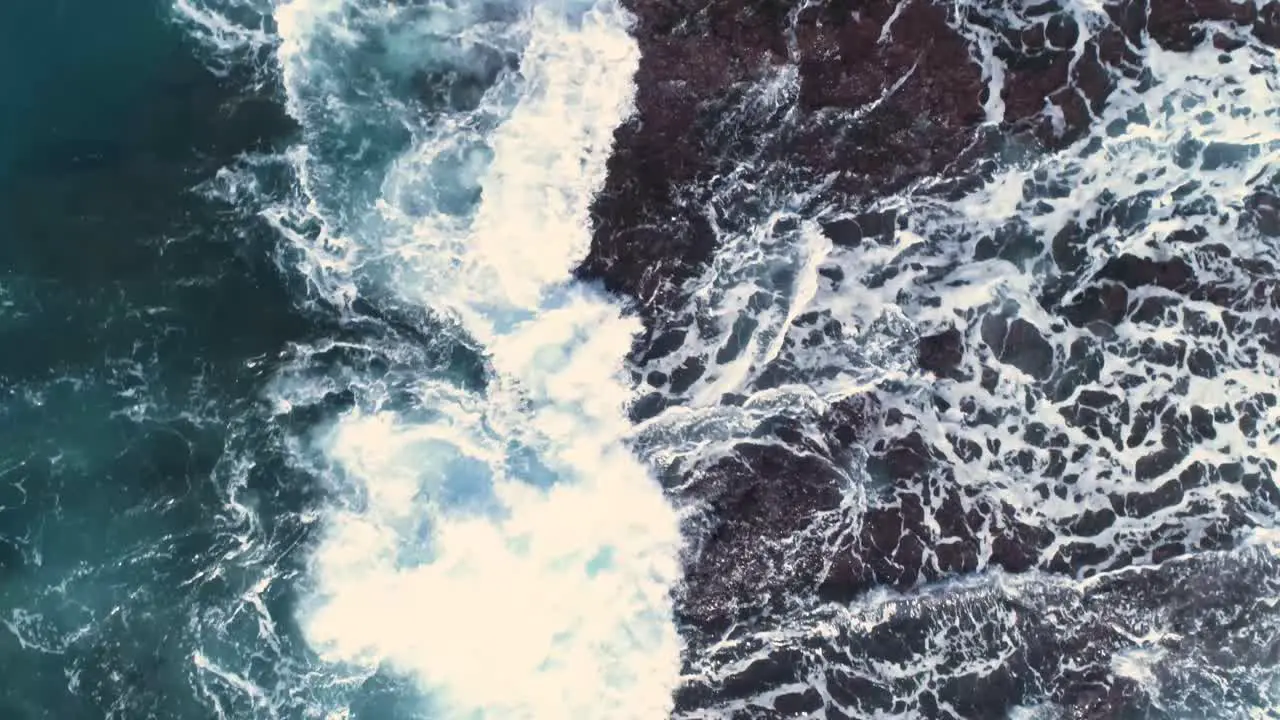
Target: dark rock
(1175, 23)
(759, 499)
(941, 354)
(876, 107)
(1020, 344)
(844, 232)
(1267, 25)
(1092, 522)
(851, 231)
(901, 458)
(905, 108)
(684, 376)
(1018, 548)
(1107, 303)
(664, 344)
(798, 704)
(849, 420)
(648, 406)
(1133, 272)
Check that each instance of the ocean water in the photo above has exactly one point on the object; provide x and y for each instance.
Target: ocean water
(132, 314)
(299, 394)
(77, 92)
(304, 415)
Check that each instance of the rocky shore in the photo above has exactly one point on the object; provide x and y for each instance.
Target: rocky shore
(893, 96)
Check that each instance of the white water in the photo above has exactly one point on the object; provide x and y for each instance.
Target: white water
(504, 549)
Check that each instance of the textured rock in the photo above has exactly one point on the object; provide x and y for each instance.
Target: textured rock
(878, 105)
(858, 100)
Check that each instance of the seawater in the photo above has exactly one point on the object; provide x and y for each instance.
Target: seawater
(135, 318)
(303, 414)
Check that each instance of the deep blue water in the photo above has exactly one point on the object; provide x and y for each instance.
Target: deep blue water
(131, 312)
(75, 75)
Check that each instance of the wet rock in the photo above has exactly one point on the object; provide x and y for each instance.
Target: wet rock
(872, 113)
(872, 96)
(844, 232)
(848, 420)
(1018, 548)
(1175, 24)
(798, 704)
(1106, 303)
(664, 344)
(758, 500)
(686, 374)
(1050, 90)
(1092, 522)
(1133, 272)
(1020, 344)
(901, 458)
(870, 226)
(648, 406)
(941, 354)
(1267, 25)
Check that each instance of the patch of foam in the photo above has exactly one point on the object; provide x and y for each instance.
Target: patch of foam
(1138, 664)
(506, 550)
(233, 32)
(525, 609)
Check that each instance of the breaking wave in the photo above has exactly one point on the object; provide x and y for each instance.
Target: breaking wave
(487, 532)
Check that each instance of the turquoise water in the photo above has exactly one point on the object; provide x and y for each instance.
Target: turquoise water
(76, 75)
(131, 310)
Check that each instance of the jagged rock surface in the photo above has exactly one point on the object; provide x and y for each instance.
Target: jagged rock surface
(858, 101)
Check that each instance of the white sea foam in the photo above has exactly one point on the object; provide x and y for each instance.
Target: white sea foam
(505, 549)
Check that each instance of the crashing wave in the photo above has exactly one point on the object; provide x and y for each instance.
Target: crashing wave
(488, 533)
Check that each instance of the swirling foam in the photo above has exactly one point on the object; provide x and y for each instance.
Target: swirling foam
(502, 547)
